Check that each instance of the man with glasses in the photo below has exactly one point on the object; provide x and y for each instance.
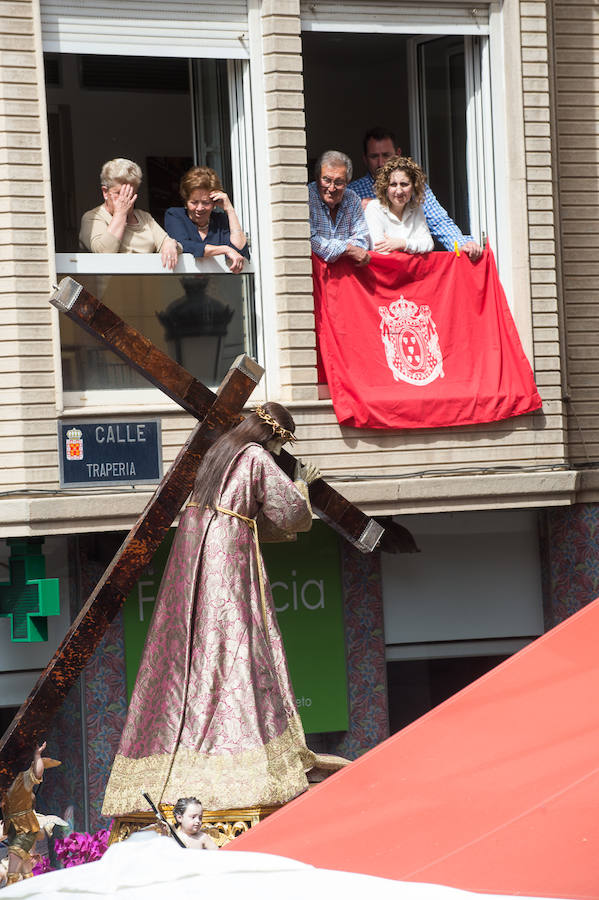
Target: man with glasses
(337, 224)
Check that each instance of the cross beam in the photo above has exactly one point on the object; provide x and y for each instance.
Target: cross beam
(31, 722)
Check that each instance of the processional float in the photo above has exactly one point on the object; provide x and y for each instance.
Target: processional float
(216, 413)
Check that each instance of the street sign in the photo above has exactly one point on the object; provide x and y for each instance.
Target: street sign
(109, 452)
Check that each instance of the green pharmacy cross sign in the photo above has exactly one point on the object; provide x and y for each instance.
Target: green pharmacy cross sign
(29, 597)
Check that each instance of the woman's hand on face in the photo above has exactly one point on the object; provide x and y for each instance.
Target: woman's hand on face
(235, 260)
(169, 253)
(221, 198)
(388, 244)
(306, 472)
(125, 200)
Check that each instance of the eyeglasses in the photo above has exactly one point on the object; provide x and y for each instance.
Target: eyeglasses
(328, 182)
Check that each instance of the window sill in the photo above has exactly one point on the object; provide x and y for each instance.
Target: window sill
(141, 264)
(131, 403)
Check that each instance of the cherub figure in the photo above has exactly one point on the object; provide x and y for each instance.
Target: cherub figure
(21, 824)
(188, 813)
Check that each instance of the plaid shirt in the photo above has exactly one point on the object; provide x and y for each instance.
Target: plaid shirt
(441, 226)
(330, 239)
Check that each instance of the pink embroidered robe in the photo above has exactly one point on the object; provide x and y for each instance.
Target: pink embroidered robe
(213, 714)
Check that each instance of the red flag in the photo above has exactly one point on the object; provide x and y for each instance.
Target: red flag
(420, 341)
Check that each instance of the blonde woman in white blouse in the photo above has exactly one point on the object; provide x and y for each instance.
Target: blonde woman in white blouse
(395, 219)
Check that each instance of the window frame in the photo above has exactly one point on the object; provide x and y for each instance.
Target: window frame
(488, 116)
(150, 399)
(242, 161)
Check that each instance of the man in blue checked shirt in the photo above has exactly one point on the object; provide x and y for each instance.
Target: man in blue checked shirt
(379, 145)
(337, 224)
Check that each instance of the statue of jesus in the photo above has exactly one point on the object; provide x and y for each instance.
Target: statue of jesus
(213, 711)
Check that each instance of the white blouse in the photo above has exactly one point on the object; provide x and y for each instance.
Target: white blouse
(412, 227)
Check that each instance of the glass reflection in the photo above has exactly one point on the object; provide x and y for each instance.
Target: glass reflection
(202, 322)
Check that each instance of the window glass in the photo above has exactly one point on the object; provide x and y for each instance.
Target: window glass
(165, 114)
(202, 322)
(443, 119)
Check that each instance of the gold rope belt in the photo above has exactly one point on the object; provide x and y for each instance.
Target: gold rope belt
(254, 527)
(21, 812)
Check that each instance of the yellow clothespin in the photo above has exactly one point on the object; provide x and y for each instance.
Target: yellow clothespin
(455, 247)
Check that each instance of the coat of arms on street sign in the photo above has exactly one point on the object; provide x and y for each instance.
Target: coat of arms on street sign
(411, 342)
(74, 443)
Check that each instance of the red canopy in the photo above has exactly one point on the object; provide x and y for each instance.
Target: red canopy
(496, 790)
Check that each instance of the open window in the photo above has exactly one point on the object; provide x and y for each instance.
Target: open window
(421, 71)
(167, 110)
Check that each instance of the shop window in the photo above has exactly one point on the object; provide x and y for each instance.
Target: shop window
(416, 686)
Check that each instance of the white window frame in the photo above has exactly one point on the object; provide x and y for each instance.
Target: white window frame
(487, 159)
(479, 128)
(147, 399)
(242, 161)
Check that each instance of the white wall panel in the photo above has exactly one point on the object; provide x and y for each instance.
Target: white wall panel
(477, 577)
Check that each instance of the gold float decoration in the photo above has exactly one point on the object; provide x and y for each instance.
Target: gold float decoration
(223, 825)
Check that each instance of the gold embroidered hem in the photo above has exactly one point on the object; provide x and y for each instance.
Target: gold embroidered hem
(269, 775)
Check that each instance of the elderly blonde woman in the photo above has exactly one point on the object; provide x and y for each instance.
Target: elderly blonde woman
(116, 226)
(201, 229)
(395, 219)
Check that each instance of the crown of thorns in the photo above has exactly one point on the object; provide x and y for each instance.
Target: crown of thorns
(276, 428)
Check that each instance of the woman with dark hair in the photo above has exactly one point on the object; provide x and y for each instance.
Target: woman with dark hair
(213, 710)
(395, 219)
(199, 227)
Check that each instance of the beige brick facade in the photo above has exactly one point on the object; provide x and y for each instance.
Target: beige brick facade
(542, 125)
(27, 401)
(541, 205)
(576, 38)
(286, 142)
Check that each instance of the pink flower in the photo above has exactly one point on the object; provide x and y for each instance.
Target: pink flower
(41, 866)
(80, 848)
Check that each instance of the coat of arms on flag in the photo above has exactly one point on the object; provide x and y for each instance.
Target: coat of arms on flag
(419, 340)
(74, 444)
(411, 342)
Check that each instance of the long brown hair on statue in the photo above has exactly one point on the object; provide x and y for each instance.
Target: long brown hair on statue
(253, 430)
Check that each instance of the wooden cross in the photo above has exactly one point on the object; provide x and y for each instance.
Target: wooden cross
(29, 597)
(216, 414)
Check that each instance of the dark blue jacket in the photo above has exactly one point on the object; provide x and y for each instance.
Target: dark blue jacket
(179, 226)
